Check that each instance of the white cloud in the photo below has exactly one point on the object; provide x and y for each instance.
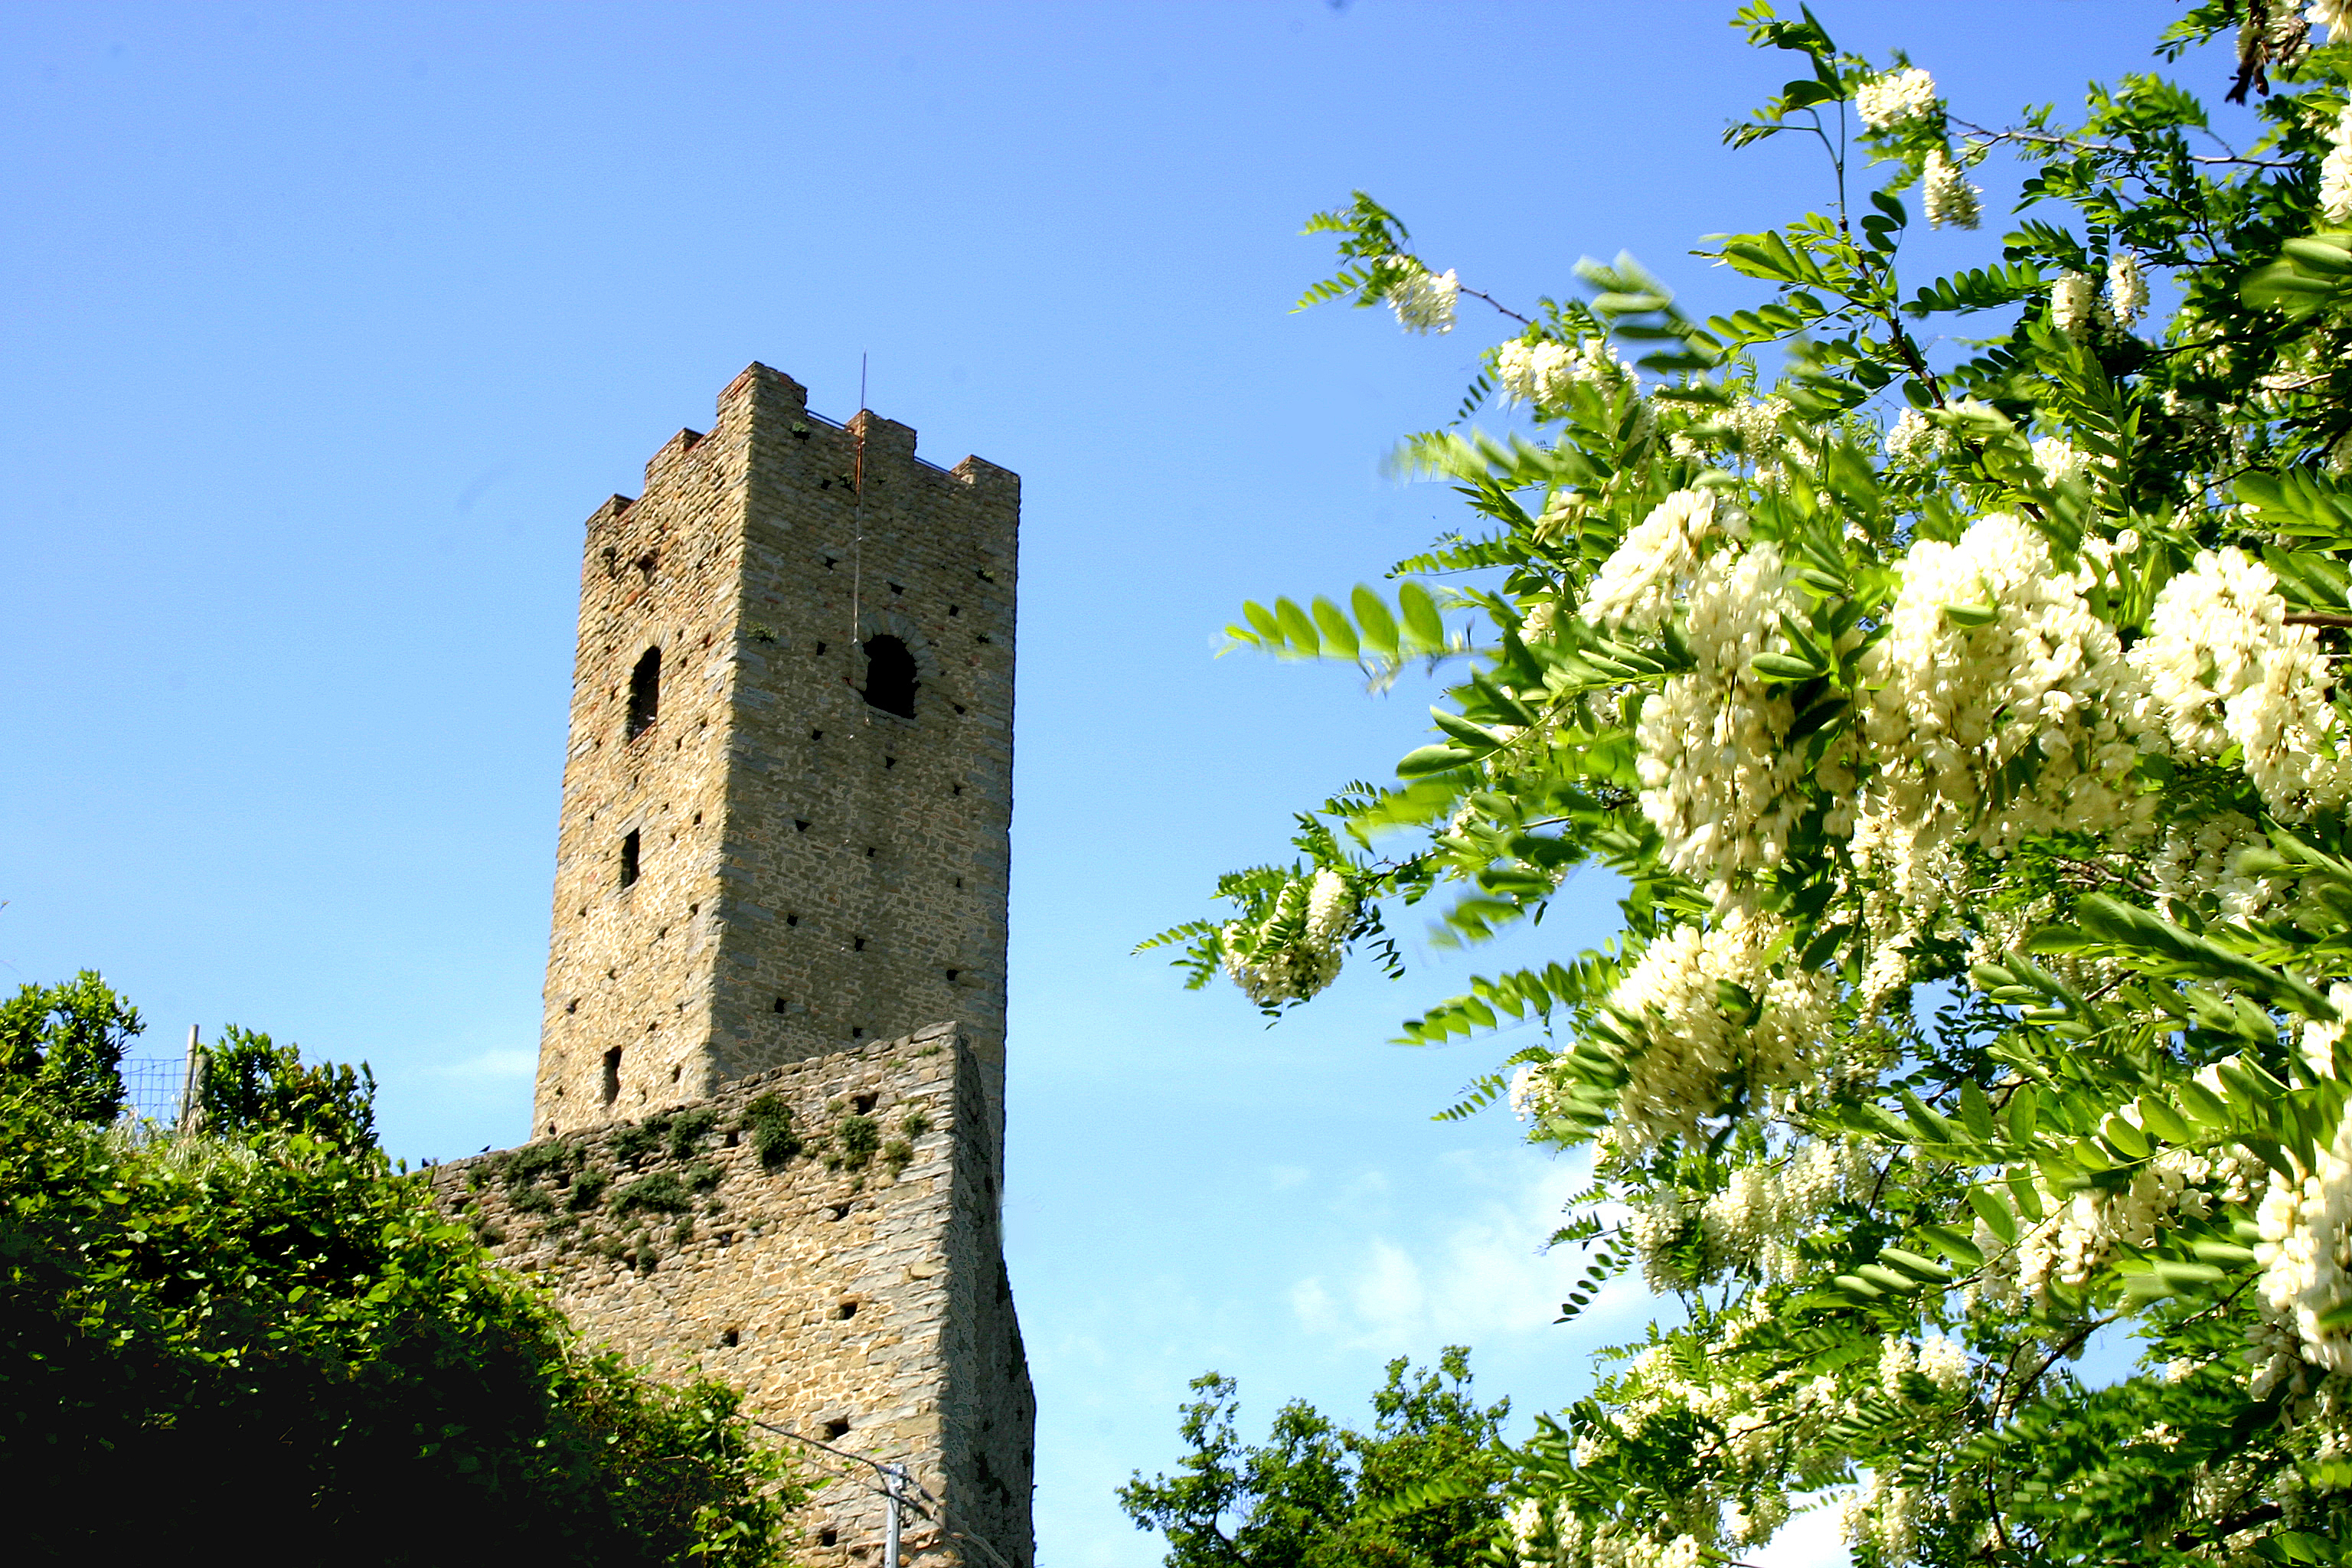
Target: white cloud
(1481, 1277)
(502, 1066)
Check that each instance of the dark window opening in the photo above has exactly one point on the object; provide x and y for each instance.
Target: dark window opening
(645, 693)
(856, 1033)
(731, 1338)
(952, 974)
(890, 682)
(780, 1005)
(836, 1428)
(897, 588)
(820, 648)
(629, 861)
(612, 1075)
(865, 1103)
(848, 1310)
(858, 944)
(828, 1536)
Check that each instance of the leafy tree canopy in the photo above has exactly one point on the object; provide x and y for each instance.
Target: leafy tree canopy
(1418, 1491)
(261, 1330)
(1965, 719)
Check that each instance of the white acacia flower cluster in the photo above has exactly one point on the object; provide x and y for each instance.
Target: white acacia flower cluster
(2196, 866)
(2083, 1230)
(1294, 952)
(1884, 1515)
(1719, 778)
(2306, 1254)
(1685, 1049)
(1757, 423)
(1653, 568)
(1913, 438)
(1766, 1209)
(1942, 1361)
(1950, 200)
(2223, 669)
(2127, 288)
(1541, 373)
(2074, 304)
(1999, 724)
(2060, 461)
(1423, 300)
(1569, 1542)
(1888, 101)
(2336, 169)
(2336, 15)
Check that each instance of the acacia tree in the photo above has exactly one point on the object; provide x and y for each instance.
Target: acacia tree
(1964, 722)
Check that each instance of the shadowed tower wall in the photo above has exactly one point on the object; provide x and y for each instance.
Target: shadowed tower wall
(789, 789)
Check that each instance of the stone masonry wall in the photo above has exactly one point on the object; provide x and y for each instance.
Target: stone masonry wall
(848, 1278)
(813, 871)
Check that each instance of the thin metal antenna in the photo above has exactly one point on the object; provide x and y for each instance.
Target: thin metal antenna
(858, 514)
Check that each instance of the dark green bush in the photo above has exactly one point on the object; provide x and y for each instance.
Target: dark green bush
(268, 1314)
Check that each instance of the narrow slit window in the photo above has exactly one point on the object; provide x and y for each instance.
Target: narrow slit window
(890, 682)
(645, 693)
(612, 1075)
(629, 861)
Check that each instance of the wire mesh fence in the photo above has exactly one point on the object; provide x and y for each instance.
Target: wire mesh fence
(152, 1087)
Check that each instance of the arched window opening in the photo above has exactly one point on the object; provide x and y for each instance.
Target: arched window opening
(612, 1075)
(645, 693)
(629, 861)
(890, 683)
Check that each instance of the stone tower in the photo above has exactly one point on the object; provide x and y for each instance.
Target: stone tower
(767, 1129)
(789, 788)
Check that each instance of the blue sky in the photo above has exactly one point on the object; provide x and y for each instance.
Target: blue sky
(323, 329)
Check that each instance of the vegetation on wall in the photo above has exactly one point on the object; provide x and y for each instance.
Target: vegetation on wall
(264, 1317)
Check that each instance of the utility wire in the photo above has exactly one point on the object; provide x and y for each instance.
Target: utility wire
(889, 1473)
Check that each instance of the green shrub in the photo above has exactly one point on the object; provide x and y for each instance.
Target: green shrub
(770, 1121)
(855, 1140)
(661, 1193)
(268, 1313)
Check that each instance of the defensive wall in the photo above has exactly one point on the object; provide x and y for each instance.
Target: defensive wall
(823, 1236)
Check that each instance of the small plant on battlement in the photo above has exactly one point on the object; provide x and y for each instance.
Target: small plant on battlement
(530, 1199)
(855, 1140)
(768, 1121)
(632, 1145)
(535, 1162)
(688, 1128)
(587, 1189)
(661, 1193)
